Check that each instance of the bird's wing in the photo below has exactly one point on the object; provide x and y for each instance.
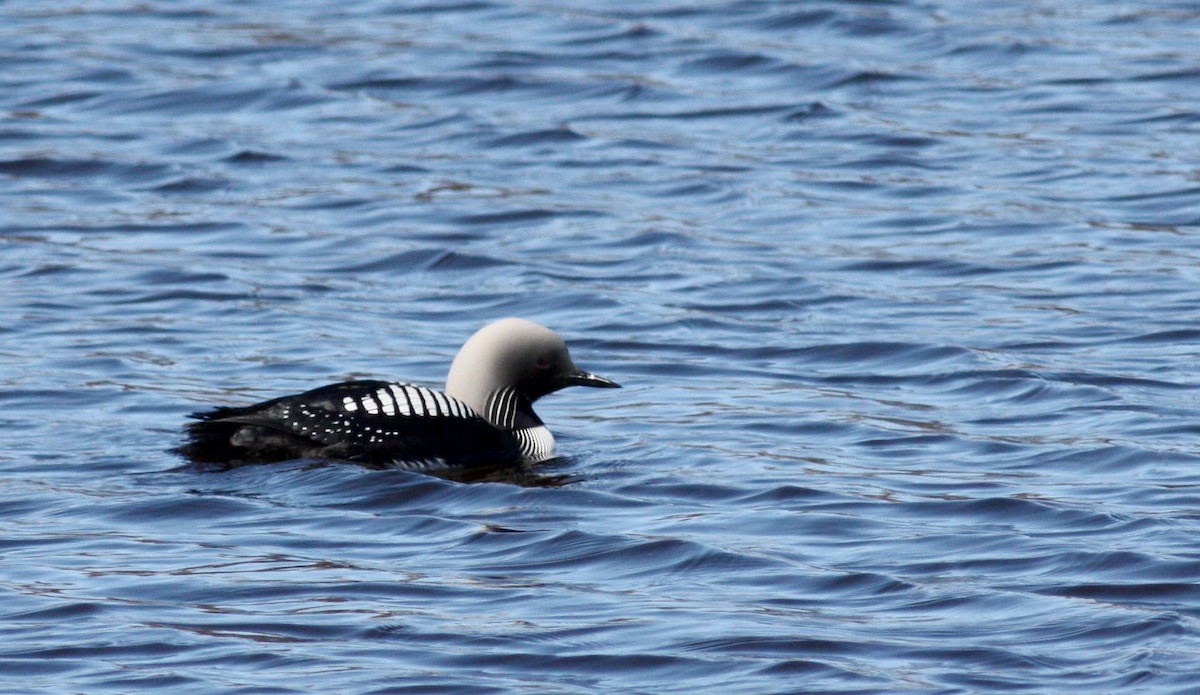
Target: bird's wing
(377, 421)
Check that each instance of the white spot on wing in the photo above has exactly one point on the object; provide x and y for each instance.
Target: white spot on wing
(401, 400)
(426, 396)
(442, 401)
(348, 403)
(369, 405)
(414, 395)
(385, 398)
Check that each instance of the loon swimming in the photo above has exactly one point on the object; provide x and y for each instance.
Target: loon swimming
(485, 415)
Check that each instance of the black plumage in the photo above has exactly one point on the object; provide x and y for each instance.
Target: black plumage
(317, 424)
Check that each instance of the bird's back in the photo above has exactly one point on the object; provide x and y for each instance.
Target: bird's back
(371, 422)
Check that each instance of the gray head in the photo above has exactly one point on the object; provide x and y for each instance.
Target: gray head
(517, 357)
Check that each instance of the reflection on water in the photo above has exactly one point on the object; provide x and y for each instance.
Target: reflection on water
(540, 474)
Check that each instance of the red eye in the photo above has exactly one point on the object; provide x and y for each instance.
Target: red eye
(543, 363)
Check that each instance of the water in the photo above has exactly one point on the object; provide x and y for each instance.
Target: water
(903, 295)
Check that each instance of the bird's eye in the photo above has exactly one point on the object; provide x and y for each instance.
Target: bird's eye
(543, 363)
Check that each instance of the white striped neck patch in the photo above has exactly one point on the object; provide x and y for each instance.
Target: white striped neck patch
(536, 442)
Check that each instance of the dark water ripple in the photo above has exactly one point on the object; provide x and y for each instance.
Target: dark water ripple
(903, 296)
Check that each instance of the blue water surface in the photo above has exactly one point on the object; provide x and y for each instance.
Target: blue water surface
(904, 296)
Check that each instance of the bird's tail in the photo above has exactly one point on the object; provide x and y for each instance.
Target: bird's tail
(238, 435)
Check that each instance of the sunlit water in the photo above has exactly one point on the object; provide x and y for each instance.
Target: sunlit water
(904, 296)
